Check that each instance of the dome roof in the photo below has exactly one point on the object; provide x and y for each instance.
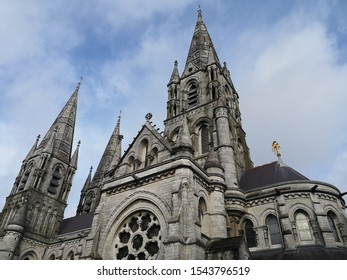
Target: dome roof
(269, 174)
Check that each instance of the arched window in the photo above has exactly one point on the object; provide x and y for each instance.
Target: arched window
(89, 202)
(52, 257)
(332, 223)
(71, 256)
(131, 163)
(303, 226)
(54, 183)
(204, 138)
(25, 177)
(153, 156)
(202, 212)
(274, 230)
(193, 95)
(144, 152)
(29, 256)
(251, 236)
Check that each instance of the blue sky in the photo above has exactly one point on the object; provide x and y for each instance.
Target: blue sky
(288, 62)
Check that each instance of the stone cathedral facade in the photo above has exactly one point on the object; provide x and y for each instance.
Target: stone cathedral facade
(190, 192)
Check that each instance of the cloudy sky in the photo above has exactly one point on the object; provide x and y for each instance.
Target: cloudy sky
(288, 62)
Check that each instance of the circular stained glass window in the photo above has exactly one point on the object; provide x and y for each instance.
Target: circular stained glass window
(138, 238)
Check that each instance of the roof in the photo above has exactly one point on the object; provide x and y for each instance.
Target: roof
(269, 174)
(76, 223)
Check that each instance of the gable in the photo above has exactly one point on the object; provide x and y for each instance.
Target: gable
(148, 148)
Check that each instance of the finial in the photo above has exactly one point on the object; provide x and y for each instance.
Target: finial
(175, 63)
(120, 115)
(276, 148)
(199, 11)
(78, 143)
(149, 116)
(38, 138)
(91, 169)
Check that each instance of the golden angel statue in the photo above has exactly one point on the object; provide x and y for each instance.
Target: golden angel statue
(276, 148)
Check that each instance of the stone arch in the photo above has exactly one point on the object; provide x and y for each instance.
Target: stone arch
(265, 214)
(203, 215)
(303, 207)
(30, 254)
(202, 131)
(174, 134)
(139, 201)
(70, 253)
(192, 88)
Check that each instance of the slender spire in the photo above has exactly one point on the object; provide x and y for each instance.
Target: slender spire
(201, 48)
(111, 150)
(118, 152)
(74, 158)
(63, 128)
(88, 180)
(175, 76)
(33, 149)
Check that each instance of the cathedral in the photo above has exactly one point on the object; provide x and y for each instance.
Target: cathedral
(190, 192)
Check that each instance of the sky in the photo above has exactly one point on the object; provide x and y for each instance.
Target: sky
(287, 59)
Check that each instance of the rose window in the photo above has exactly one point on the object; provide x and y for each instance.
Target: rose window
(138, 238)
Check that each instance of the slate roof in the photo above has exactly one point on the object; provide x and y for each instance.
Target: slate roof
(269, 174)
(76, 223)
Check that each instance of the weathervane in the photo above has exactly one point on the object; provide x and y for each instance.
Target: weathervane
(276, 148)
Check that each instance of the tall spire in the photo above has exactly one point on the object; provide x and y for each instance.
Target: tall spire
(112, 150)
(74, 158)
(201, 48)
(33, 149)
(63, 127)
(118, 153)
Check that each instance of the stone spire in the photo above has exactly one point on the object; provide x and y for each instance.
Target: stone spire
(201, 49)
(112, 149)
(175, 76)
(74, 158)
(63, 127)
(84, 191)
(33, 149)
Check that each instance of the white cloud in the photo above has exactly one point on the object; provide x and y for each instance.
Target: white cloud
(294, 94)
(291, 87)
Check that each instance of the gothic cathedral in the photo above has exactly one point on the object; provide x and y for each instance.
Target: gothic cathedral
(190, 192)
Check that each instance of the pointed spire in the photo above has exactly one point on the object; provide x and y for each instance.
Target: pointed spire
(111, 150)
(33, 149)
(74, 158)
(118, 153)
(88, 180)
(201, 48)
(63, 127)
(175, 76)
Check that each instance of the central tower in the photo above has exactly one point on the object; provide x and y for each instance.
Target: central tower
(205, 97)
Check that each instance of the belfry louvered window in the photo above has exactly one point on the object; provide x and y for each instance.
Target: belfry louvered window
(193, 95)
(204, 138)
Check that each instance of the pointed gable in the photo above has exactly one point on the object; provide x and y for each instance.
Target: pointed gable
(148, 148)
